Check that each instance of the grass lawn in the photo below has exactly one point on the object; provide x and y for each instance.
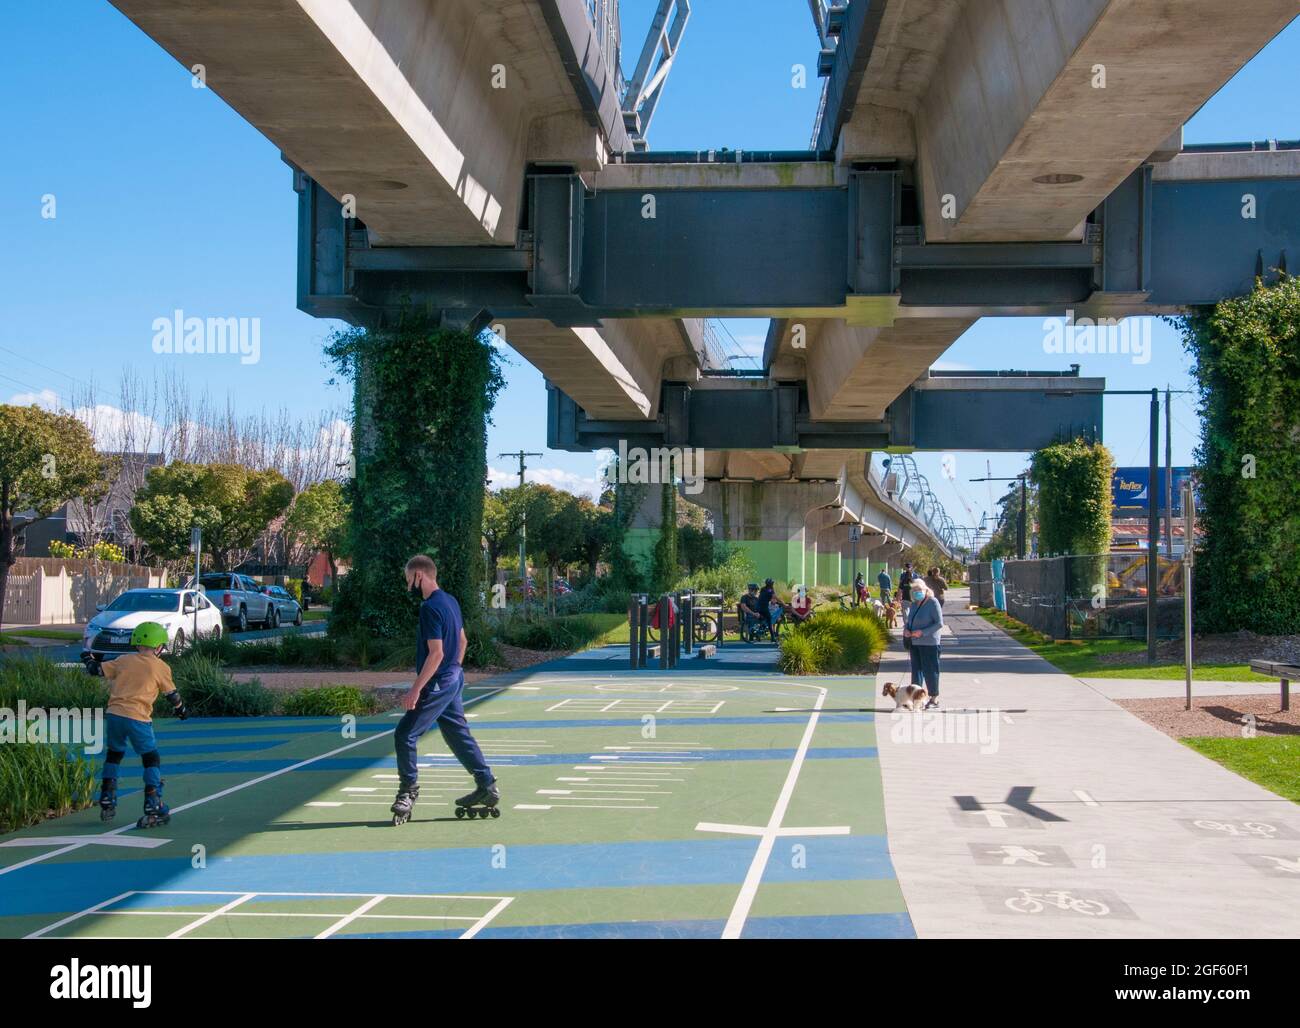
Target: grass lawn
(61, 634)
(315, 615)
(1272, 761)
(1080, 657)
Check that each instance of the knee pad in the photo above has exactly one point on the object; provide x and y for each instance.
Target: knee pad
(151, 759)
(114, 756)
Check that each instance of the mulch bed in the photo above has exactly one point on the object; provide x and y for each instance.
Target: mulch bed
(1224, 648)
(1217, 715)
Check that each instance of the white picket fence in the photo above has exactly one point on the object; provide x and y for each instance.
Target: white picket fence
(62, 598)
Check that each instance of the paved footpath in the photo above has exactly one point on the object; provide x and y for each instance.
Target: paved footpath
(1034, 806)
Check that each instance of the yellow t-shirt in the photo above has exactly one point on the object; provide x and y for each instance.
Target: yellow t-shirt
(138, 679)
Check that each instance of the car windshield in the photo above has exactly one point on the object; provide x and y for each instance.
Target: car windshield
(146, 601)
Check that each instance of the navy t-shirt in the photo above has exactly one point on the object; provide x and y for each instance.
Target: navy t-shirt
(440, 619)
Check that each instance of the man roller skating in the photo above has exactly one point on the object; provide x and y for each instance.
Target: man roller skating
(138, 679)
(435, 696)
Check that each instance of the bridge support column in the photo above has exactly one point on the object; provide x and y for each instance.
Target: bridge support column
(784, 526)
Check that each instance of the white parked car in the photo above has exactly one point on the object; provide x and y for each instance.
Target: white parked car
(183, 612)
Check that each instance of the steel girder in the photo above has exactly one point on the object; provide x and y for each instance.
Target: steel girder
(800, 251)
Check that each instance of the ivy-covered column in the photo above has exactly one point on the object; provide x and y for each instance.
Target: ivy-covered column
(1246, 354)
(423, 395)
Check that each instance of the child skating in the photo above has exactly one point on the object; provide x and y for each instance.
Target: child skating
(435, 696)
(136, 680)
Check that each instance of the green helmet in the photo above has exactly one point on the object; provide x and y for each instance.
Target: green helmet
(149, 633)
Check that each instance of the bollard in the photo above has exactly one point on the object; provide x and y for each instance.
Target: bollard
(643, 629)
(633, 626)
(688, 621)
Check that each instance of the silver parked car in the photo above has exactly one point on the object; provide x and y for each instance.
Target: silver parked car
(286, 608)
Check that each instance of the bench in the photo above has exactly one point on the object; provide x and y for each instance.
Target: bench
(1284, 672)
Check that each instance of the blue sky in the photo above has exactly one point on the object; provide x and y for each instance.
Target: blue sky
(168, 199)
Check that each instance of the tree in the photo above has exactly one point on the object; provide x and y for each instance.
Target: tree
(232, 505)
(597, 534)
(45, 460)
(318, 522)
(555, 527)
(1003, 542)
(502, 516)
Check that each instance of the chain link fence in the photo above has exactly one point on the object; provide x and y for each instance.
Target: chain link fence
(1102, 596)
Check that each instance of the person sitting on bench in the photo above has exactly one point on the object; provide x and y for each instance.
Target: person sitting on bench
(800, 609)
(748, 610)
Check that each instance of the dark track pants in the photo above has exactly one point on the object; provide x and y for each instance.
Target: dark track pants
(925, 667)
(443, 706)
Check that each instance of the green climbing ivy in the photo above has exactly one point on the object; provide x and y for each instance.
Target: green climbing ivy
(423, 398)
(1074, 503)
(1246, 365)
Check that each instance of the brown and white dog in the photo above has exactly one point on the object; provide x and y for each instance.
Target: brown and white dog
(891, 615)
(906, 697)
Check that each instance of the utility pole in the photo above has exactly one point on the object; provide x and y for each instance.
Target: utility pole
(1153, 526)
(522, 457)
(1169, 475)
(1022, 522)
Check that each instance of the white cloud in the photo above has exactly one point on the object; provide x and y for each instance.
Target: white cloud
(570, 481)
(46, 398)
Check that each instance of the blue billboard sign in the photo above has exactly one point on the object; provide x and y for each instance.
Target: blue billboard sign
(1128, 490)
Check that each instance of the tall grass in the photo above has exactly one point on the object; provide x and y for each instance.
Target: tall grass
(834, 642)
(38, 781)
(330, 701)
(41, 684)
(210, 692)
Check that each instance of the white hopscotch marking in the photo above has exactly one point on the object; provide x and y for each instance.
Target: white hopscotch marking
(1087, 799)
(339, 922)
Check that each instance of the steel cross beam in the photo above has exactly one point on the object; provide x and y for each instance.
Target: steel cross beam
(970, 412)
(848, 251)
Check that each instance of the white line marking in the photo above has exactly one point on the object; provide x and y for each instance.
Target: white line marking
(152, 842)
(83, 913)
(709, 826)
(185, 930)
(343, 922)
(1088, 800)
(500, 906)
(740, 912)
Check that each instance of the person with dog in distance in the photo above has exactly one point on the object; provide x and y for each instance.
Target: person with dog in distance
(436, 697)
(922, 627)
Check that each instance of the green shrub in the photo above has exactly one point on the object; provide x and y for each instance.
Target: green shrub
(210, 692)
(572, 632)
(330, 701)
(38, 781)
(729, 577)
(41, 684)
(294, 586)
(834, 642)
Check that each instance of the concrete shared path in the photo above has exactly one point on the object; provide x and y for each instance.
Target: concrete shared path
(1033, 805)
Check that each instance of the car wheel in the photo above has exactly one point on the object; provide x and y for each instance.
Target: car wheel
(216, 631)
(178, 643)
(298, 618)
(273, 618)
(243, 620)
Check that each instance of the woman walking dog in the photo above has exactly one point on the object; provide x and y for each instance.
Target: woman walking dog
(924, 623)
